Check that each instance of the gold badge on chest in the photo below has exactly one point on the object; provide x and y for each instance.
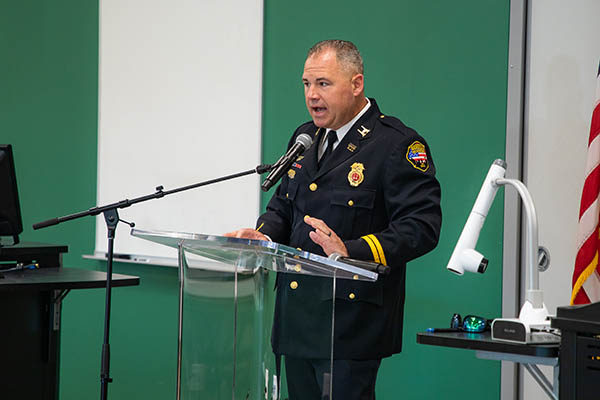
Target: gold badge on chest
(291, 173)
(356, 176)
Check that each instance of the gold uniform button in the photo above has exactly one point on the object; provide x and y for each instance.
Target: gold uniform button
(355, 277)
(382, 116)
(350, 203)
(287, 195)
(294, 285)
(297, 268)
(351, 296)
(312, 187)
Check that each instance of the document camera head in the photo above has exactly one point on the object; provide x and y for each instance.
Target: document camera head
(465, 257)
(473, 261)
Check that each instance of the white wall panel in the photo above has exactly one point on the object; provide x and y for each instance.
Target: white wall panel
(180, 102)
(564, 51)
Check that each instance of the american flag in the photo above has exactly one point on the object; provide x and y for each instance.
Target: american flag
(417, 156)
(586, 275)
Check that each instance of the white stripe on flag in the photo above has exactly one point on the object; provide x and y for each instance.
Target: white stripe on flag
(587, 224)
(592, 162)
(592, 287)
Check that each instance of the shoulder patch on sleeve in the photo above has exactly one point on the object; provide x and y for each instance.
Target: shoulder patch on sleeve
(417, 156)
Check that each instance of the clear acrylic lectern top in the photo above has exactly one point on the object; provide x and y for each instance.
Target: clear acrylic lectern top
(249, 255)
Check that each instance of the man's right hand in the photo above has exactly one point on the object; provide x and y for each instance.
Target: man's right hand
(247, 233)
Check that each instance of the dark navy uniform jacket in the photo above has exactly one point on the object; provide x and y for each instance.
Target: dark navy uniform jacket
(379, 193)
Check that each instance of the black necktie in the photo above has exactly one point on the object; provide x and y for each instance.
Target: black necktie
(331, 139)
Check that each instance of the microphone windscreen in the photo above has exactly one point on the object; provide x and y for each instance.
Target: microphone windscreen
(305, 140)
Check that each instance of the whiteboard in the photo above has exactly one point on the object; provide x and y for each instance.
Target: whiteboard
(180, 85)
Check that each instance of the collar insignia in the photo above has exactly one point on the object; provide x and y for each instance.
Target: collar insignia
(351, 147)
(363, 132)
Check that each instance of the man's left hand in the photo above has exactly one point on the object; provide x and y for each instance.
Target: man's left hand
(325, 237)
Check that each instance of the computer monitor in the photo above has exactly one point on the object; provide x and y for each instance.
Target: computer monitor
(10, 211)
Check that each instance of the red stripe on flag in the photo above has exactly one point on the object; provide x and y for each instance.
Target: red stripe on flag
(595, 126)
(591, 188)
(581, 298)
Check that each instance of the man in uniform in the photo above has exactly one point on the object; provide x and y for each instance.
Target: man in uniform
(366, 189)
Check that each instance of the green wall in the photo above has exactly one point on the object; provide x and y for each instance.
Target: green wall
(48, 111)
(439, 66)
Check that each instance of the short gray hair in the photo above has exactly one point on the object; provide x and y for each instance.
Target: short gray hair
(346, 53)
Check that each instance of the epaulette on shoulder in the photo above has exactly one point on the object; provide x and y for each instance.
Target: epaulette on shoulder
(393, 122)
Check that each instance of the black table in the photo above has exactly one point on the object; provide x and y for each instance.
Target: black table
(528, 355)
(30, 334)
(61, 279)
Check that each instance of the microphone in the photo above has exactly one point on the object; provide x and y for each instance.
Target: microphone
(368, 265)
(303, 143)
(465, 257)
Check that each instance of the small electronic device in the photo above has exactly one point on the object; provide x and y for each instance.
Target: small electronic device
(11, 224)
(516, 331)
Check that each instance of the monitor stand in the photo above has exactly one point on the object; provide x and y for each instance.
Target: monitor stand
(43, 254)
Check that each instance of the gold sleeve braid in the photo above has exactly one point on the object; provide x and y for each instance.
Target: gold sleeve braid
(376, 249)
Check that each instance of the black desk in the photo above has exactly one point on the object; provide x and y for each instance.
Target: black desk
(30, 326)
(61, 279)
(527, 355)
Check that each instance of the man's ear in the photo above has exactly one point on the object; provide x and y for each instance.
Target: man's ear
(358, 84)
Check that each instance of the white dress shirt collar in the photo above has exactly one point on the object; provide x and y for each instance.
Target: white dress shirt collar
(344, 129)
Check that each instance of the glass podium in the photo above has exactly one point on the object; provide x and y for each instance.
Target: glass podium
(225, 318)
